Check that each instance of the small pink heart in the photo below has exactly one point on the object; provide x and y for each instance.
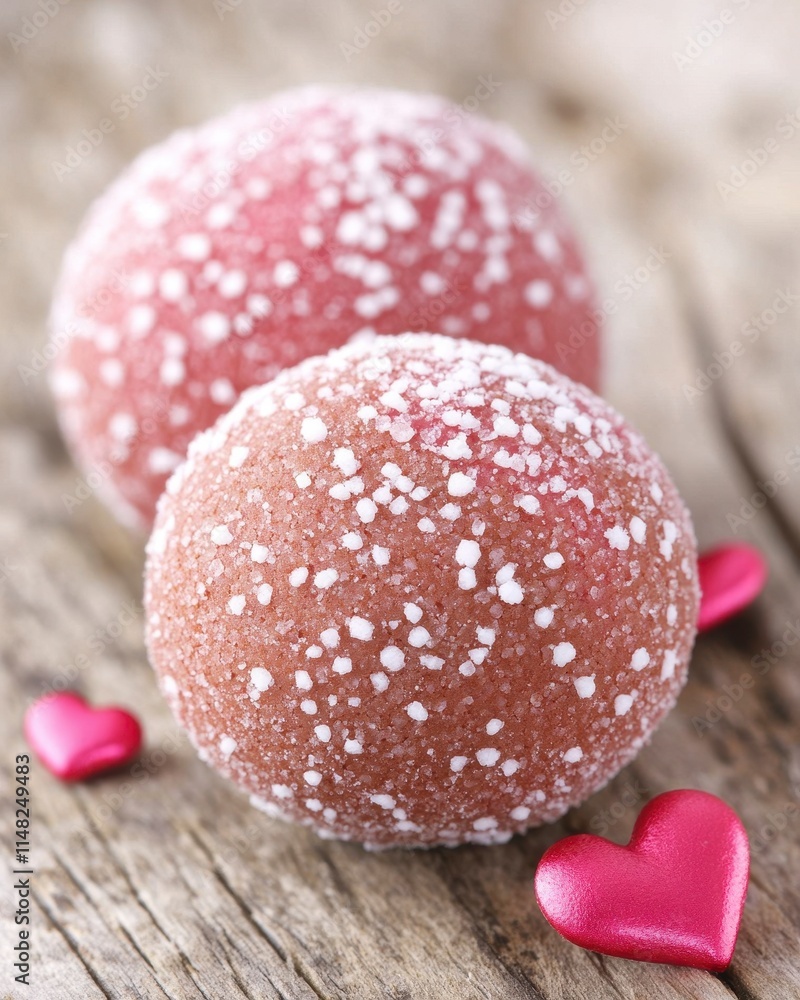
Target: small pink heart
(731, 577)
(674, 894)
(75, 740)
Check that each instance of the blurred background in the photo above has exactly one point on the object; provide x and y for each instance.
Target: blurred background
(670, 134)
(673, 128)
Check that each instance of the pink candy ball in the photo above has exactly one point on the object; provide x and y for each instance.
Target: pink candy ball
(284, 229)
(421, 591)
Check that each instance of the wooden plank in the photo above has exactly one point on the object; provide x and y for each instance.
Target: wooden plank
(162, 881)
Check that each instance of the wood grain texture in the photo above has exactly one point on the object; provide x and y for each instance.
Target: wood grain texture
(161, 882)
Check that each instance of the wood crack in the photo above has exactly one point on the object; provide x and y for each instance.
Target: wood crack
(732, 982)
(70, 942)
(342, 887)
(292, 961)
(515, 972)
(237, 979)
(143, 955)
(599, 962)
(186, 962)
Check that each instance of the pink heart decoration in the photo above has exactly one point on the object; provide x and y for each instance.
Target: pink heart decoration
(75, 740)
(731, 577)
(674, 894)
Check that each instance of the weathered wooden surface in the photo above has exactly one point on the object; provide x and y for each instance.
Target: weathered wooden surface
(163, 882)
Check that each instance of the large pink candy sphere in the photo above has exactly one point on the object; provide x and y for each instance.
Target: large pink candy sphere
(284, 229)
(421, 591)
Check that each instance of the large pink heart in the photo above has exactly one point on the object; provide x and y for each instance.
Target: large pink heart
(674, 894)
(74, 740)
